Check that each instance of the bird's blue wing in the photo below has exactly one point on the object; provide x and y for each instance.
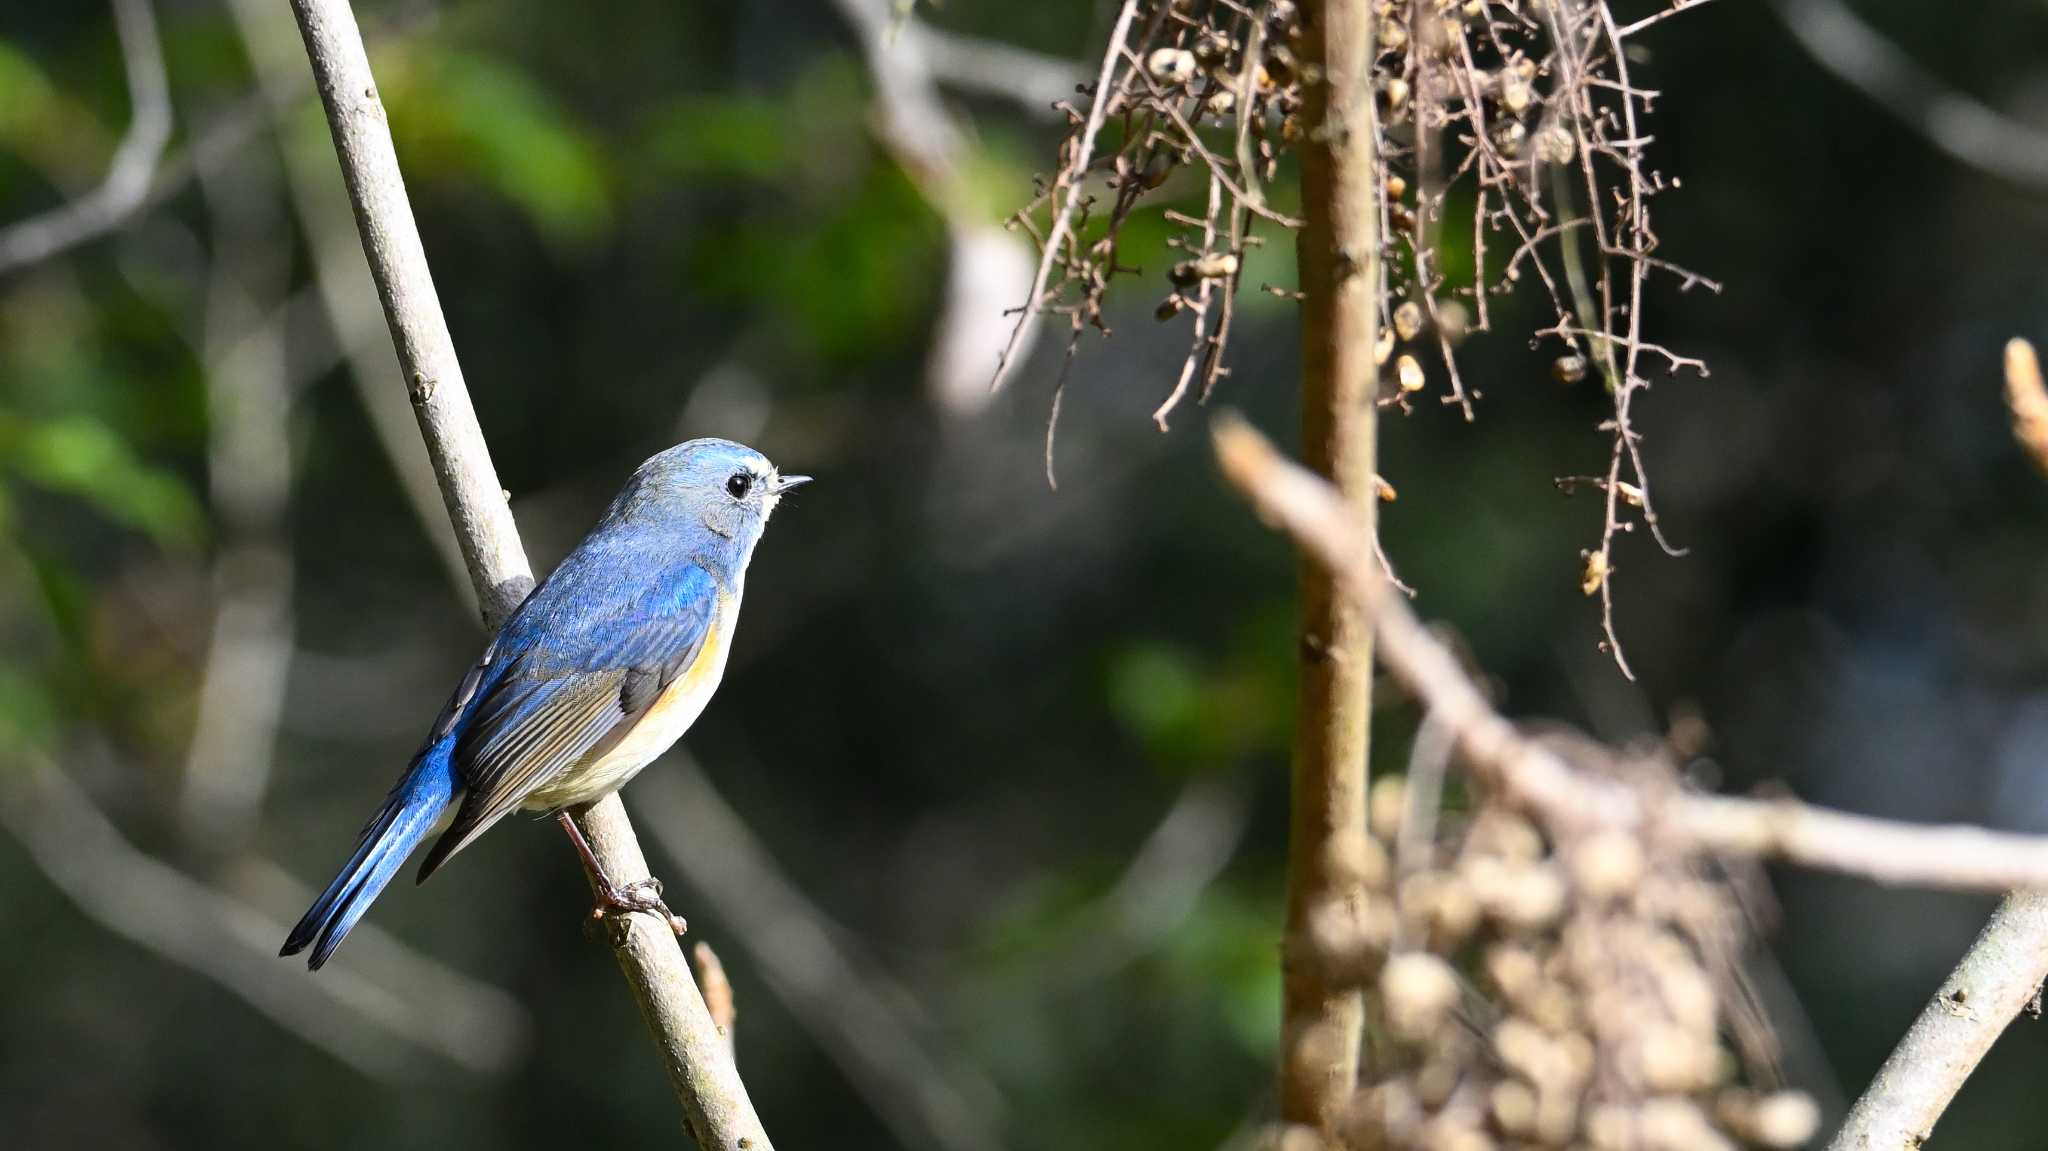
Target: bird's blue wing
(581, 665)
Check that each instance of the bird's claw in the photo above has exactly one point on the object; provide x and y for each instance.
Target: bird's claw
(642, 896)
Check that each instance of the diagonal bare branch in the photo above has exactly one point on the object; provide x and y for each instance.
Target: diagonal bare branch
(1536, 776)
(1957, 125)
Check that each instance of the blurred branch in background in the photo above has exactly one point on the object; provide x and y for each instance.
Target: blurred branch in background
(343, 277)
(1541, 780)
(987, 264)
(241, 340)
(1031, 80)
(135, 161)
(1956, 124)
(2002, 972)
(927, 1098)
(694, 1054)
(234, 944)
(248, 661)
(1162, 885)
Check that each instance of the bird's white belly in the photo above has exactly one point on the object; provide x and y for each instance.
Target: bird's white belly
(658, 730)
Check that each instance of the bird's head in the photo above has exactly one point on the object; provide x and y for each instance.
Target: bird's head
(728, 489)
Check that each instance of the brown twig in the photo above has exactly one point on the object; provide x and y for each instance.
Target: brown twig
(718, 997)
(2027, 399)
(1656, 18)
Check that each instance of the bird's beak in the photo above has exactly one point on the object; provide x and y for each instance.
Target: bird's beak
(784, 483)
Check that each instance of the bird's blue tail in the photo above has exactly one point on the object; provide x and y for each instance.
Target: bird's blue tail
(408, 814)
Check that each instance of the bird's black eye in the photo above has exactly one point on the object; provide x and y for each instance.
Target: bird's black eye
(739, 485)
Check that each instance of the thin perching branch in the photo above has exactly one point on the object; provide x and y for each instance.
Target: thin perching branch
(699, 1064)
(126, 186)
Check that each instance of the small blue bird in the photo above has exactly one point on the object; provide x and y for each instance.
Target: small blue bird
(597, 674)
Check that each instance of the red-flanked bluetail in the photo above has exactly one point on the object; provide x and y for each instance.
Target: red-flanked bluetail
(600, 671)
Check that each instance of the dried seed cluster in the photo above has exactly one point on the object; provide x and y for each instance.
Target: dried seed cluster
(1510, 131)
(1210, 86)
(1534, 991)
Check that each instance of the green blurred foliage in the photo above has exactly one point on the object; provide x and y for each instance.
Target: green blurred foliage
(842, 245)
(1193, 717)
(41, 126)
(79, 456)
(470, 117)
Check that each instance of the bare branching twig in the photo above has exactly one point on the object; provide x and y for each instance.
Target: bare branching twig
(1492, 119)
(1066, 191)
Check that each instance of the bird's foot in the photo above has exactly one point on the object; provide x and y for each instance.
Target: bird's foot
(642, 895)
(613, 898)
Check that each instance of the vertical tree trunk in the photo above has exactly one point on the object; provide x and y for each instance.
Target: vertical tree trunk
(1340, 279)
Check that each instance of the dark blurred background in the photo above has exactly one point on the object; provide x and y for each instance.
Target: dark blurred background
(987, 820)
